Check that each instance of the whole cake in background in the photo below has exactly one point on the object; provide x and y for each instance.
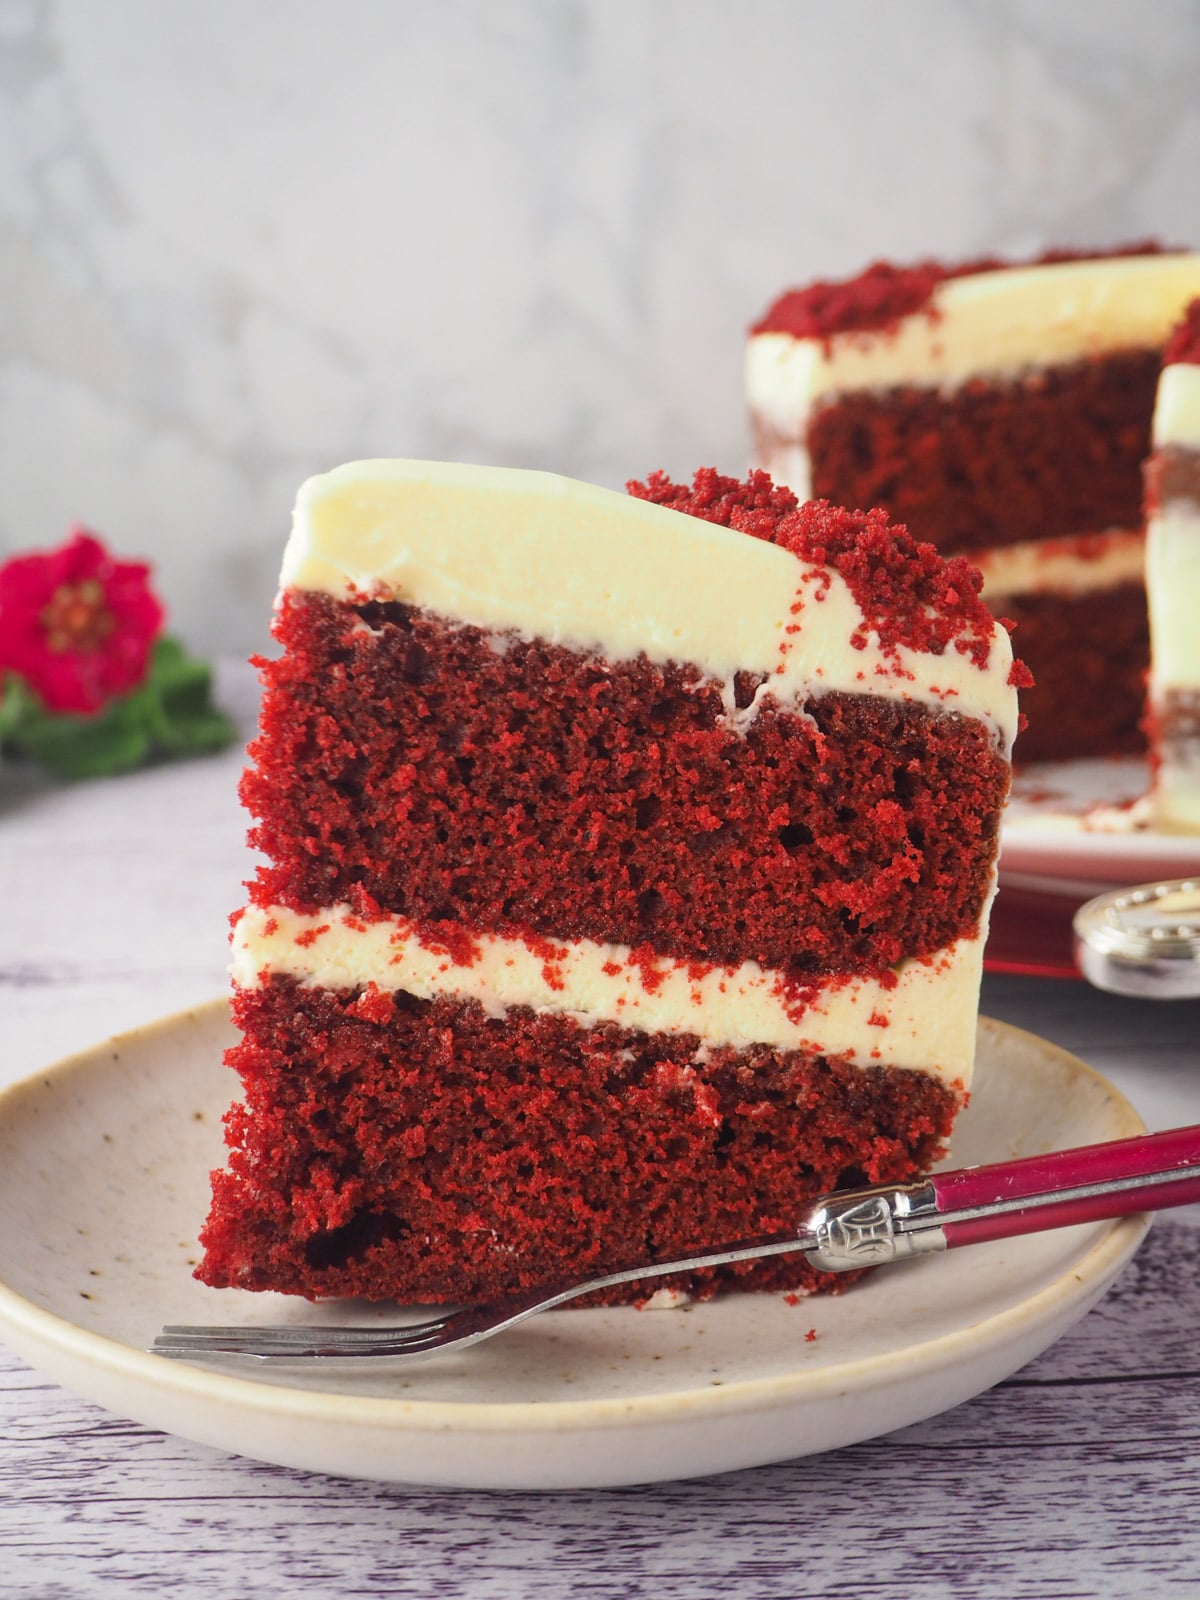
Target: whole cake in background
(1003, 412)
(628, 863)
(1173, 582)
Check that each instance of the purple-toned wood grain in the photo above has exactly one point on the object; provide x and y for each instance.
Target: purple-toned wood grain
(1076, 1478)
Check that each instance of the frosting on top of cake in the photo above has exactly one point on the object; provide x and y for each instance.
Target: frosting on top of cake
(880, 296)
(991, 323)
(548, 557)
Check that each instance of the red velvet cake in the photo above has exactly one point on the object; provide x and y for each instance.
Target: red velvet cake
(627, 869)
(1173, 582)
(1002, 411)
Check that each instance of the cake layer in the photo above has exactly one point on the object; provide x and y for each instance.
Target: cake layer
(390, 1141)
(927, 1008)
(1052, 452)
(992, 324)
(442, 773)
(1088, 654)
(1078, 566)
(545, 557)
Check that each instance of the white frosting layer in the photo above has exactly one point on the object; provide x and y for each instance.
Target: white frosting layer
(1173, 590)
(926, 1021)
(1061, 566)
(599, 571)
(989, 324)
(1176, 798)
(1177, 407)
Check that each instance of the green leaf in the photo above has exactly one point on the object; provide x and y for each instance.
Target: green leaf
(185, 720)
(12, 705)
(171, 713)
(114, 740)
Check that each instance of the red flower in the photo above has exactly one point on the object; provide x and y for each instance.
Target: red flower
(77, 625)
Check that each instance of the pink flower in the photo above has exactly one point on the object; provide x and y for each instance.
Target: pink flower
(77, 625)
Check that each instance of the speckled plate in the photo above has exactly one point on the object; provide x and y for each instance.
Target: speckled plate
(104, 1163)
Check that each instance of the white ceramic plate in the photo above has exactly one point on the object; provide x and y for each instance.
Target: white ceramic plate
(1080, 820)
(104, 1165)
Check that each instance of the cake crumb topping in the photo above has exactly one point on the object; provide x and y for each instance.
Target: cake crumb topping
(1183, 347)
(877, 299)
(909, 594)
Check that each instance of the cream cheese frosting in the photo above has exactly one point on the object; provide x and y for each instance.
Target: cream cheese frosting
(1173, 593)
(1176, 797)
(1177, 407)
(574, 564)
(923, 1021)
(1074, 567)
(989, 324)
(1173, 588)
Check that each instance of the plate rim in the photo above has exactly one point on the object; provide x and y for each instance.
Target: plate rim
(374, 1413)
(1053, 841)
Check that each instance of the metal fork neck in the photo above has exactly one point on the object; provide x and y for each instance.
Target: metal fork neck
(871, 1227)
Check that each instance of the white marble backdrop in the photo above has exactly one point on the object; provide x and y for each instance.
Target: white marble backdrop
(245, 239)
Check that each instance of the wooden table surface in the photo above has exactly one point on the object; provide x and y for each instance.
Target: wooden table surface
(1078, 1477)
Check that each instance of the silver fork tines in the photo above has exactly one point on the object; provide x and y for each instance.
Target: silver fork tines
(454, 1330)
(844, 1231)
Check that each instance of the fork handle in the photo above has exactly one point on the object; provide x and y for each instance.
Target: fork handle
(869, 1227)
(1148, 1173)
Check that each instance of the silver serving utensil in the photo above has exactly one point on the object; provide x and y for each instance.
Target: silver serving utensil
(843, 1231)
(1143, 941)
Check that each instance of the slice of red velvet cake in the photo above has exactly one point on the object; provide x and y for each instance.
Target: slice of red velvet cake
(1173, 582)
(628, 861)
(1004, 412)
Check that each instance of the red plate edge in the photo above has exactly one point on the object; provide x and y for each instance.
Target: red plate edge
(1031, 933)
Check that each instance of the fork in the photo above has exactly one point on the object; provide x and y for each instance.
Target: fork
(843, 1231)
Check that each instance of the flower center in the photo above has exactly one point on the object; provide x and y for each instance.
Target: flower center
(74, 618)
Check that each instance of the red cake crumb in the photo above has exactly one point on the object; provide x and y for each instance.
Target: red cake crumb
(908, 593)
(878, 298)
(1183, 347)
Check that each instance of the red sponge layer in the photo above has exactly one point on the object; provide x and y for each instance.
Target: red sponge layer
(1057, 452)
(1089, 655)
(395, 1148)
(406, 766)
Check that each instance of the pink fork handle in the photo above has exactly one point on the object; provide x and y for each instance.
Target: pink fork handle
(1039, 1178)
